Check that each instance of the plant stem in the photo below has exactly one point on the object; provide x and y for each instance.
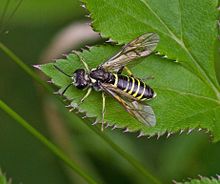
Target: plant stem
(23, 66)
(54, 149)
(126, 156)
(129, 158)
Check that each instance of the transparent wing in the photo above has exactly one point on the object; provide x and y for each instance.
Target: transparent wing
(140, 47)
(142, 112)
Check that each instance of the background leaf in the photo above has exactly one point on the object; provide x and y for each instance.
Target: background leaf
(188, 92)
(202, 180)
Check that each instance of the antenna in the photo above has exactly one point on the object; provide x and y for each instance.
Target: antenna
(59, 69)
(66, 89)
(82, 60)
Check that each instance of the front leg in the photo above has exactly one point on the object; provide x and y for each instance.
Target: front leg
(82, 99)
(86, 95)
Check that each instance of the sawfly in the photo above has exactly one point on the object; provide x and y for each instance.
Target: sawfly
(128, 90)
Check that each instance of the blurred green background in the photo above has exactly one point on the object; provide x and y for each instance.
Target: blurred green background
(29, 33)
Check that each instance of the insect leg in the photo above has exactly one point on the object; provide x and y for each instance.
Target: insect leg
(103, 110)
(86, 95)
(82, 60)
(128, 71)
(82, 100)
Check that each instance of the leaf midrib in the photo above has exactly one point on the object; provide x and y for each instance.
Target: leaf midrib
(183, 93)
(197, 96)
(197, 113)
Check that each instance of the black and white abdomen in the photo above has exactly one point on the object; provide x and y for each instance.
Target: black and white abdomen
(133, 86)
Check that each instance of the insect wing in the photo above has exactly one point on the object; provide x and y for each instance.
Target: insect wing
(140, 47)
(144, 113)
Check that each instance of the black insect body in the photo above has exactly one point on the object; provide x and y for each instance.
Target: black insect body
(128, 90)
(134, 87)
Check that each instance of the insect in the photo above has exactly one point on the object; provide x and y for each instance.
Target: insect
(128, 90)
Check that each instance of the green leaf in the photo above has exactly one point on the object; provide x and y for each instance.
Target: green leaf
(187, 29)
(202, 180)
(188, 94)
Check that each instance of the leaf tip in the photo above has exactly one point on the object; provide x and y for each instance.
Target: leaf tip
(37, 66)
(190, 130)
(150, 136)
(199, 129)
(169, 134)
(95, 122)
(88, 47)
(71, 110)
(158, 136)
(141, 134)
(83, 5)
(110, 41)
(181, 131)
(88, 15)
(114, 127)
(106, 125)
(57, 92)
(174, 181)
(50, 82)
(126, 130)
(165, 56)
(84, 117)
(68, 106)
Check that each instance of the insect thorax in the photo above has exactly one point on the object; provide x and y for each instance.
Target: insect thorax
(100, 75)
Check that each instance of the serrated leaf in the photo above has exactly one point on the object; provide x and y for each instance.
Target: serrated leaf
(202, 180)
(187, 29)
(179, 104)
(188, 92)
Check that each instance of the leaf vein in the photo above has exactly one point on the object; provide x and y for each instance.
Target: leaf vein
(189, 94)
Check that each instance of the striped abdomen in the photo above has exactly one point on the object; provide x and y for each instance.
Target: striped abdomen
(133, 86)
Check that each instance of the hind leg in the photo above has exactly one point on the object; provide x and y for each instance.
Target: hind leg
(127, 70)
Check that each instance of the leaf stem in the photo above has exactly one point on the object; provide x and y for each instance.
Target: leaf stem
(54, 149)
